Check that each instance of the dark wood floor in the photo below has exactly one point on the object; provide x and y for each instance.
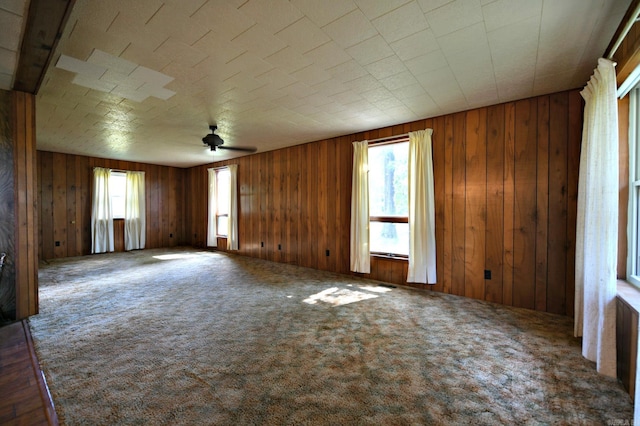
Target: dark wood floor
(24, 397)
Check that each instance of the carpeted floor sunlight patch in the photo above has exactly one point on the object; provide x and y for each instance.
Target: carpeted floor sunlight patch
(188, 337)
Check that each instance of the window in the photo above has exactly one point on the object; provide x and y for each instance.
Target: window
(633, 224)
(117, 190)
(222, 201)
(388, 198)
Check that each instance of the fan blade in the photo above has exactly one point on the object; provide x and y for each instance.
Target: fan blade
(239, 148)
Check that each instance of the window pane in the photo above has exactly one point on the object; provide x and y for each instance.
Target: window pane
(636, 267)
(389, 237)
(388, 184)
(117, 189)
(223, 225)
(222, 180)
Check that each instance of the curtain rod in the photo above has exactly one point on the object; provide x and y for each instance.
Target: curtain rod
(625, 30)
(389, 138)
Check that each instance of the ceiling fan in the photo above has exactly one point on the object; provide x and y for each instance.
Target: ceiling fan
(214, 142)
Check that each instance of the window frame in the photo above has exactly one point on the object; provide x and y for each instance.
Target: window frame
(219, 215)
(634, 189)
(388, 218)
(123, 175)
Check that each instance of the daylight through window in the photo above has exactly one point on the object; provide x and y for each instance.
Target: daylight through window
(117, 191)
(222, 201)
(388, 198)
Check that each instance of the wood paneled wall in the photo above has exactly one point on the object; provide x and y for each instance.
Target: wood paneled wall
(64, 190)
(626, 344)
(505, 192)
(18, 217)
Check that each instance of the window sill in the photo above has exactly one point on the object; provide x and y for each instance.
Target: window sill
(629, 294)
(389, 257)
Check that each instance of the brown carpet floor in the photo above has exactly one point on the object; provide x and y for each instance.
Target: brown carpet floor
(190, 337)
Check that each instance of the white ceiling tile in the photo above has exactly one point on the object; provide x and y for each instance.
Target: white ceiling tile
(328, 55)
(141, 56)
(386, 67)
(399, 81)
(376, 8)
(376, 95)
(347, 71)
(409, 91)
(218, 48)
(288, 60)
(350, 29)
(172, 21)
(156, 91)
(415, 45)
(311, 75)
(443, 88)
(503, 13)
(272, 14)
(330, 87)
(514, 48)
(6, 81)
(259, 41)
(303, 35)
(325, 11)
(363, 84)
(80, 67)
(467, 39)
(147, 75)
(429, 5)
(454, 16)
(111, 62)
(422, 106)
(401, 22)
(299, 90)
(93, 83)
(8, 61)
(428, 62)
(223, 18)
(17, 7)
(276, 79)
(370, 50)
(11, 30)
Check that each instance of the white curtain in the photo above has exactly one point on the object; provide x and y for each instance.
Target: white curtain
(422, 236)
(232, 236)
(597, 221)
(134, 212)
(212, 231)
(360, 255)
(101, 216)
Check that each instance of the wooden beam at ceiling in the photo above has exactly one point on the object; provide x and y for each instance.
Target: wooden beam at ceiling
(46, 20)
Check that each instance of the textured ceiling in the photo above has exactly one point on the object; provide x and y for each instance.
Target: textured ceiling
(12, 13)
(273, 73)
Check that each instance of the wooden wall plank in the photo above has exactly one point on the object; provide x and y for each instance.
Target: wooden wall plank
(525, 204)
(558, 152)
(60, 203)
(46, 207)
(509, 203)
(574, 131)
(542, 204)
(458, 269)
(439, 173)
(475, 203)
(494, 242)
(447, 244)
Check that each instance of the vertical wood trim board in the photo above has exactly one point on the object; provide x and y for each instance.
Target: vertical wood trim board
(25, 199)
